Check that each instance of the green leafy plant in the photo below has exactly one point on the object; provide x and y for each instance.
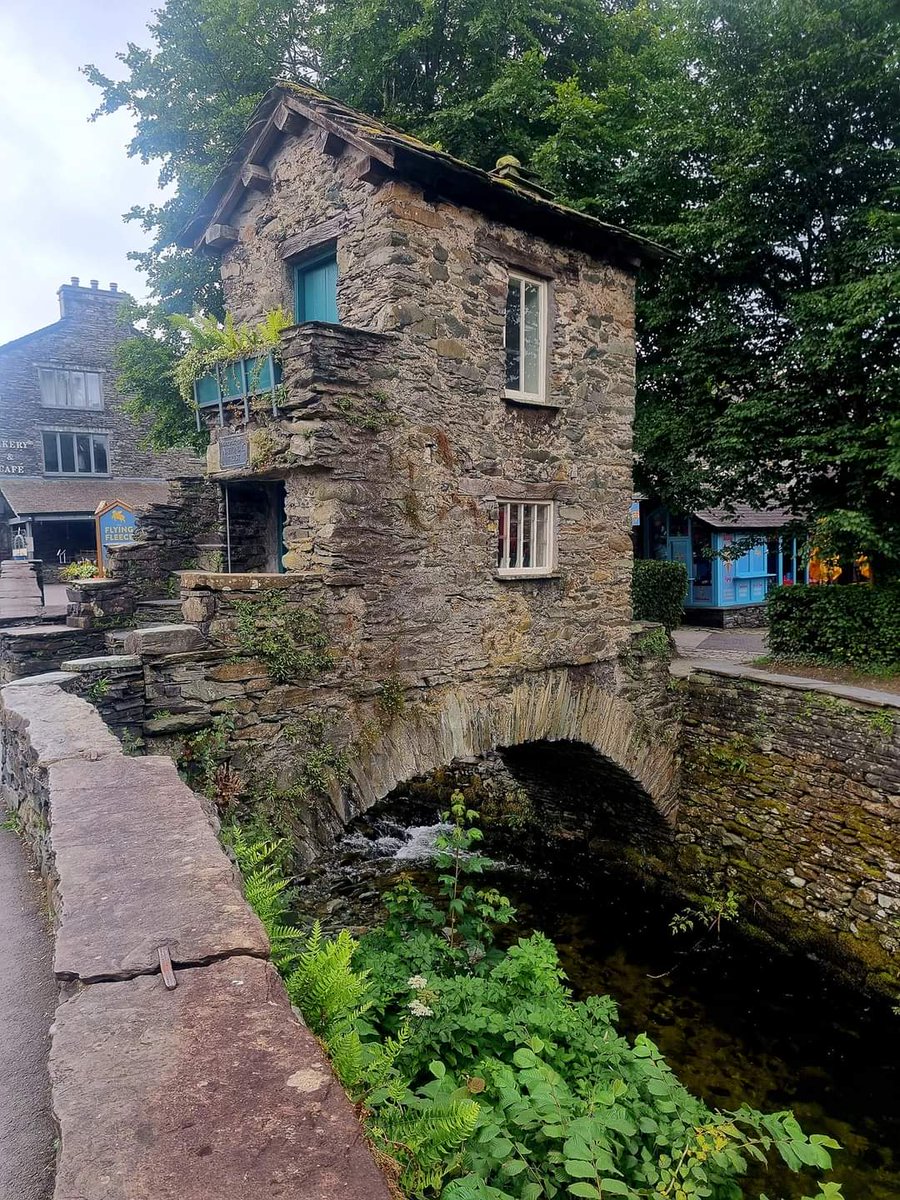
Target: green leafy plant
(212, 343)
(99, 689)
(658, 591)
(371, 413)
(74, 571)
(482, 1079)
(132, 745)
(289, 639)
(708, 913)
(202, 753)
(391, 699)
(654, 644)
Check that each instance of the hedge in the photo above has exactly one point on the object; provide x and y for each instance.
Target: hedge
(658, 589)
(857, 623)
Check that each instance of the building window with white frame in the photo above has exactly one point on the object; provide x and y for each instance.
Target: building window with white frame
(75, 453)
(525, 338)
(70, 389)
(526, 537)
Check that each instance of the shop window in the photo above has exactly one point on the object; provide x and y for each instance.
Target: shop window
(70, 389)
(76, 453)
(315, 290)
(526, 538)
(525, 338)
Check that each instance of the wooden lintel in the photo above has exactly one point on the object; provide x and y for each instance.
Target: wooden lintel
(288, 120)
(218, 235)
(256, 177)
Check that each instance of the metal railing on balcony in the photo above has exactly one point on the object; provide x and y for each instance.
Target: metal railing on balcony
(238, 381)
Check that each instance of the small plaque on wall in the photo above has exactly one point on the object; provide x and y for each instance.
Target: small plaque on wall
(234, 451)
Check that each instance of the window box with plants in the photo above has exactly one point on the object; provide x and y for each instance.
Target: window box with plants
(228, 363)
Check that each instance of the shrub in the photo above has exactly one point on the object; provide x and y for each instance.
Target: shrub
(77, 570)
(658, 590)
(857, 624)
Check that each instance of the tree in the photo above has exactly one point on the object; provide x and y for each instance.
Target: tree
(758, 138)
(770, 350)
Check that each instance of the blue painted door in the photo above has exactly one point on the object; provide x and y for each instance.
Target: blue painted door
(316, 291)
(680, 551)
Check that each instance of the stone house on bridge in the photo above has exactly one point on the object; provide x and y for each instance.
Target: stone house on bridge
(448, 449)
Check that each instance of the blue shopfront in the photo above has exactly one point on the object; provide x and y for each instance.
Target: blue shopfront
(732, 559)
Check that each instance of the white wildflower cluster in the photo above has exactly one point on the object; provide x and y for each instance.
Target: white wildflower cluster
(418, 1009)
(417, 982)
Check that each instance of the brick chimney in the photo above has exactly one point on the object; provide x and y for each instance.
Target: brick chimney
(75, 299)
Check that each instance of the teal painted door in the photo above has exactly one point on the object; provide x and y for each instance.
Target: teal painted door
(316, 291)
(680, 551)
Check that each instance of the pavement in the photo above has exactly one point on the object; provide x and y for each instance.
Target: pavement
(719, 645)
(732, 651)
(20, 596)
(27, 1006)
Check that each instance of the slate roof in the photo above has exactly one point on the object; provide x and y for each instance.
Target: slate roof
(742, 516)
(412, 159)
(33, 496)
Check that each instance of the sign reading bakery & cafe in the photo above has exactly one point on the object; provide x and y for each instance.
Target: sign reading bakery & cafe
(11, 454)
(116, 524)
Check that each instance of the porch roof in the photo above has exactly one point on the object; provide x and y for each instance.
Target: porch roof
(37, 496)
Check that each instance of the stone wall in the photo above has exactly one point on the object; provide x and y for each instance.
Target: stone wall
(208, 1088)
(791, 796)
(34, 649)
(170, 537)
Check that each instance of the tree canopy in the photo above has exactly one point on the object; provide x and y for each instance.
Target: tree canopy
(757, 138)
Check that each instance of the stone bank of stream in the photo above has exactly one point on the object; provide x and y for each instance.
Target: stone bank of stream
(737, 1019)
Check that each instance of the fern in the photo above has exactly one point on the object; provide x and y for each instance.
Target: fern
(323, 984)
(266, 890)
(426, 1140)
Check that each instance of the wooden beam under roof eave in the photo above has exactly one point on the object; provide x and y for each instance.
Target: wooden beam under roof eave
(290, 117)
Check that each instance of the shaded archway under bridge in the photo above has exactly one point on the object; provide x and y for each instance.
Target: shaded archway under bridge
(562, 710)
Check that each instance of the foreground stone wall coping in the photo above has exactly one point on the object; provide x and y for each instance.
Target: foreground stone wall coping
(58, 678)
(213, 1089)
(211, 1092)
(55, 724)
(683, 668)
(140, 867)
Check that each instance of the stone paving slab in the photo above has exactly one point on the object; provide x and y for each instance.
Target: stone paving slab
(211, 1092)
(140, 867)
(682, 667)
(164, 639)
(59, 724)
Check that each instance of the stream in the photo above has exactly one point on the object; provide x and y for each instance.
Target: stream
(738, 1019)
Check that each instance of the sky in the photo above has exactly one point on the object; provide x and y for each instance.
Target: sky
(65, 181)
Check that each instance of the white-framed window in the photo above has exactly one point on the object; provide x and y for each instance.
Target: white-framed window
(525, 337)
(75, 453)
(62, 388)
(526, 537)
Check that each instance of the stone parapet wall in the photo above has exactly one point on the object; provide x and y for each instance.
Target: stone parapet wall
(170, 537)
(790, 795)
(34, 649)
(213, 1088)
